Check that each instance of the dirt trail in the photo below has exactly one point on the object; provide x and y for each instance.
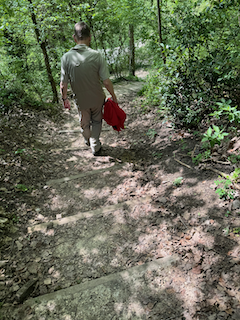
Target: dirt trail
(138, 233)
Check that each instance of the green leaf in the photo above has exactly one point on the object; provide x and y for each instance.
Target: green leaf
(216, 128)
(209, 131)
(21, 187)
(20, 151)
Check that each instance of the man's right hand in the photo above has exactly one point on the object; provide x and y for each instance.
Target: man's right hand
(109, 86)
(67, 104)
(114, 99)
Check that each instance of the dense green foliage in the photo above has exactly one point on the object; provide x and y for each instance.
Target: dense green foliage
(203, 60)
(200, 42)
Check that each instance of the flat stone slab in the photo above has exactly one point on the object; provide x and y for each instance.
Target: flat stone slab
(129, 294)
(42, 227)
(82, 175)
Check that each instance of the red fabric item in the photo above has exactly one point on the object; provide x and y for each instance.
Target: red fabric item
(114, 115)
(67, 104)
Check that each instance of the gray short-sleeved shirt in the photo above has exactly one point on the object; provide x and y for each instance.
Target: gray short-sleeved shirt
(83, 67)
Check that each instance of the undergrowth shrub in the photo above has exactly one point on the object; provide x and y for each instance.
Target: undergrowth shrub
(187, 93)
(10, 97)
(15, 95)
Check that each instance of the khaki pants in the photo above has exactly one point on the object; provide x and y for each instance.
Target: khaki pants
(91, 126)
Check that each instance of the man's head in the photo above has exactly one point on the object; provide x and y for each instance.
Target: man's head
(81, 32)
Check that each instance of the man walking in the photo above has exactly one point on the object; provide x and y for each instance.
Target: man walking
(84, 68)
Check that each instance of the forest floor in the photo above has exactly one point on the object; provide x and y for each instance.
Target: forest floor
(73, 223)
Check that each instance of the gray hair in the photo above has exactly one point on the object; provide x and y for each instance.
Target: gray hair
(81, 31)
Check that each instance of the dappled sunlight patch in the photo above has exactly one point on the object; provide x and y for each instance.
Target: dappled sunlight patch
(41, 218)
(63, 250)
(50, 232)
(125, 173)
(95, 251)
(203, 238)
(141, 211)
(151, 242)
(100, 238)
(115, 263)
(51, 305)
(93, 193)
(145, 242)
(177, 284)
(36, 219)
(234, 253)
(73, 159)
(85, 254)
(58, 202)
(82, 251)
(157, 280)
(88, 155)
(56, 275)
(135, 308)
(99, 264)
(67, 317)
(85, 248)
(87, 260)
(119, 307)
(119, 216)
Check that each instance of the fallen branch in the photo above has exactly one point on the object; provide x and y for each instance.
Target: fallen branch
(216, 161)
(222, 162)
(184, 155)
(236, 186)
(193, 152)
(180, 218)
(184, 164)
(218, 172)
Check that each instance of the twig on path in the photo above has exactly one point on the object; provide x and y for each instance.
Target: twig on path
(222, 162)
(180, 218)
(236, 186)
(218, 172)
(184, 164)
(216, 161)
(184, 155)
(193, 152)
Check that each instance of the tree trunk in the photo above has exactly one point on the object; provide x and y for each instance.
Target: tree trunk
(160, 28)
(131, 51)
(44, 51)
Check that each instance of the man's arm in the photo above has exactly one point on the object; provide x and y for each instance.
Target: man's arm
(63, 91)
(109, 86)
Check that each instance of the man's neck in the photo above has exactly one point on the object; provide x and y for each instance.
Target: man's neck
(86, 42)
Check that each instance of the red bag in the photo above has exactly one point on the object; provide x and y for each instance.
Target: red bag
(114, 115)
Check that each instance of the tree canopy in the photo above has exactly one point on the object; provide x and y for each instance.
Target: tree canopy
(197, 39)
